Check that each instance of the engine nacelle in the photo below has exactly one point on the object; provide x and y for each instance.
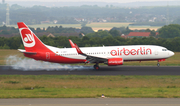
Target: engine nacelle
(115, 61)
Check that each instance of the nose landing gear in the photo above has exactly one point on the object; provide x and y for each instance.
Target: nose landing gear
(160, 61)
(158, 64)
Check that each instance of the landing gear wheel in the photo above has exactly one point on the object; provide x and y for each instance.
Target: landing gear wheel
(158, 64)
(96, 67)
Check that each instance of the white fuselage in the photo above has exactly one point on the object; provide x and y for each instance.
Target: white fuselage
(128, 53)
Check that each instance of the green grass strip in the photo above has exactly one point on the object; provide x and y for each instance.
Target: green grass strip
(83, 86)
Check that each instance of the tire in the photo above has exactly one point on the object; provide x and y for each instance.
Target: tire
(96, 67)
(158, 64)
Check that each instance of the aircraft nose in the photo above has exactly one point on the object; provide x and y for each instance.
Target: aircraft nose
(171, 53)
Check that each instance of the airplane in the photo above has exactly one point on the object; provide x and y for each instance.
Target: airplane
(110, 55)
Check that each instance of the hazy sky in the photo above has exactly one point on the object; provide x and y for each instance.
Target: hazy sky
(120, 1)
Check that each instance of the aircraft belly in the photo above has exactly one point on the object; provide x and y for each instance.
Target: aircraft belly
(140, 57)
(75, 57)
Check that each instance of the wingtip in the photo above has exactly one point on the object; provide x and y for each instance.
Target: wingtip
(71, 43)
(77, 49)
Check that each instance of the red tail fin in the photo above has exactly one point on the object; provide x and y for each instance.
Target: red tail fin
(30, 40)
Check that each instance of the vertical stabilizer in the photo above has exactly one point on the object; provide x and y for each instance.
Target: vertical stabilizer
(31, 42)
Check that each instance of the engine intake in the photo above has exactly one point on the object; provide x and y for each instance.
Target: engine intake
(115, 61)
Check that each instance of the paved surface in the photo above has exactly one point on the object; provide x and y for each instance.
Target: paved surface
(104, 70)
(92, 102)
(120, 70)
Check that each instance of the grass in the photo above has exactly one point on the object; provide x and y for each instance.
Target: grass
(92, 93)
(93, 25)
(172, 61)
(73, 86)
(96, 26)
(141, 26)
(47, 25)
(108, 25)
(144, 27)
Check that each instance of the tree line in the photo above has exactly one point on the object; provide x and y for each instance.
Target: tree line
(169, 37)
(57, 30)
(62, 41)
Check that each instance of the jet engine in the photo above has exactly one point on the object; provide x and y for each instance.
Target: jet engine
(115, 61)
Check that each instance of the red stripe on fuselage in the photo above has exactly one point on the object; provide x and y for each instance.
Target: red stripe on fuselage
(52, 57)
(146, 59)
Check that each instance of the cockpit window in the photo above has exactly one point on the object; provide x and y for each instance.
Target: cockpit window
(164, 49)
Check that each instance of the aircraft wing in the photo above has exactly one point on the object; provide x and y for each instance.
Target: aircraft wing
(89, 58)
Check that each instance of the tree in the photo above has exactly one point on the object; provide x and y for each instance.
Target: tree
(152, 33)
(127, 31)
(100, 34)
(115, 33)
(148, 30)
(85, 40)
(38, 30)
(109, 41)
(5, 47)
(86, 30)
(21, 46)
(95, 41)
(170, 31)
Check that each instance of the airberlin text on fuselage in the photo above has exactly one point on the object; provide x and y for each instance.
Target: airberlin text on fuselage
(140, 51)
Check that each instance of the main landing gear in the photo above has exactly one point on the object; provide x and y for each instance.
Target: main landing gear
(96, 66)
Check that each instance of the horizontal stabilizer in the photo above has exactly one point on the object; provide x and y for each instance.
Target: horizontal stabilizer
(24, 51)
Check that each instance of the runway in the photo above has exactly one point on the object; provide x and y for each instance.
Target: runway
(92, 102)
(104, 70)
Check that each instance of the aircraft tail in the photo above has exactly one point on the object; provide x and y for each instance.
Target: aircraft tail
(31, 42)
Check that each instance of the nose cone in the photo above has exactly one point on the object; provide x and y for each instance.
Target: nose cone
(171, 53)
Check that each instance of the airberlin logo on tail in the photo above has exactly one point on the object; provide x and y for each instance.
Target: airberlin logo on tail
(27, 37)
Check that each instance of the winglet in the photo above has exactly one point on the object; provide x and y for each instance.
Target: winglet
(78, 50)
(72, 44)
